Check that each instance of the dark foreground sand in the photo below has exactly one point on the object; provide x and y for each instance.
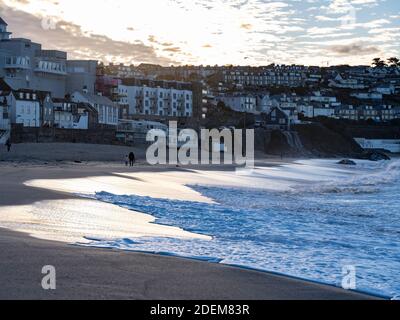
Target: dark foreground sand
(90, 273)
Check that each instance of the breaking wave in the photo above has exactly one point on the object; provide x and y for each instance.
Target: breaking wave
(362, 182)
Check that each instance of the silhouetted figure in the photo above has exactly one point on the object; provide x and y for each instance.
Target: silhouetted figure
(8, 145)
(131, 159)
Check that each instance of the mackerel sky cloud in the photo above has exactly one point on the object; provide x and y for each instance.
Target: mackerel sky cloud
(257, 32)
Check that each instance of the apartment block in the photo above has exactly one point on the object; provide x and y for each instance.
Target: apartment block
(156, 98)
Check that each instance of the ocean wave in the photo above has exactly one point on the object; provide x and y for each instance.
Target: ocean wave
(370, 180)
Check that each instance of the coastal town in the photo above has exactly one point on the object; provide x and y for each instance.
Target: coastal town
(45, 97)
(200, 158)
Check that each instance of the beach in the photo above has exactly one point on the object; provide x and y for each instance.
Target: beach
(45, 220)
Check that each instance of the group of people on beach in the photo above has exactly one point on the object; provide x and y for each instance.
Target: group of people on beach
(130, 159)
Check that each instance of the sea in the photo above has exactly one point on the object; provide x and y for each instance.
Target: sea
(330, 219)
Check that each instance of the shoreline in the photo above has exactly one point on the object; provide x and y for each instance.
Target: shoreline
(315, 290)
(93, 273)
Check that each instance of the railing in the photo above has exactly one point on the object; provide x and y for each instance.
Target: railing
(17, 62)
(59, 72)
(51, 67)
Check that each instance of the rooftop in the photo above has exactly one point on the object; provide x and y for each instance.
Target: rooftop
(2, 22)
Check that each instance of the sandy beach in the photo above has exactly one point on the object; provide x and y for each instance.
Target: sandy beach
(42, 218)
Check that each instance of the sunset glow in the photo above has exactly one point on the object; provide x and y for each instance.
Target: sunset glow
(256, 32)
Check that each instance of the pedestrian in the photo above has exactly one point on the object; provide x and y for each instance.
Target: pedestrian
(8, 144)
(131, 159)
(126, 160)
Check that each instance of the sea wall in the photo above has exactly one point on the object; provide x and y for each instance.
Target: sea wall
(104, 135)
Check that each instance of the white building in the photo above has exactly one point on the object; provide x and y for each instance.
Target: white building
(307, 110)
(24, 106)
(240, 103)
(63, 117)
(291, 76)
(156, 101)
(368, 95)
(392, 145)
(107, 110)
(324, 111)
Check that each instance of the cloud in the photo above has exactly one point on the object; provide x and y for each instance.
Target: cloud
(357, 49)
(79, 45)
(246, 26)
(213, 32)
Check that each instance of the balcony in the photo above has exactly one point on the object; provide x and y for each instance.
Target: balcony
(51, 67)
(17, 62)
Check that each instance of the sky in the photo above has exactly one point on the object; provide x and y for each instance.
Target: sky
(239, 32)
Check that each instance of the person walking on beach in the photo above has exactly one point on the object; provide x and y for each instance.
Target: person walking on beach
(126, 160)
(8, 145)
(131, 159)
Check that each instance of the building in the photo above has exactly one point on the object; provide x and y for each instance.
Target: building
(391, 145)
(277, 119)
(108, 86)
(263, 103)
(290, 76)
(323, 110)
(367, 112)
(158, 99)
(81, 76)
(388, 112)
(4, 34)
(305, 109)
(25, 65)
(107, 110)
(240, 102)
(73, 115)
(24, 106)
(63, 117)
(4, 114)
(367, 95)
(136, 131)
(385, 89)
(348, 112)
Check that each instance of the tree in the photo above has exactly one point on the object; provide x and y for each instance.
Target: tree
(379, 63)
(394, 62)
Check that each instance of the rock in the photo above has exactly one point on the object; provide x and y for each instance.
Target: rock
(347, 162)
